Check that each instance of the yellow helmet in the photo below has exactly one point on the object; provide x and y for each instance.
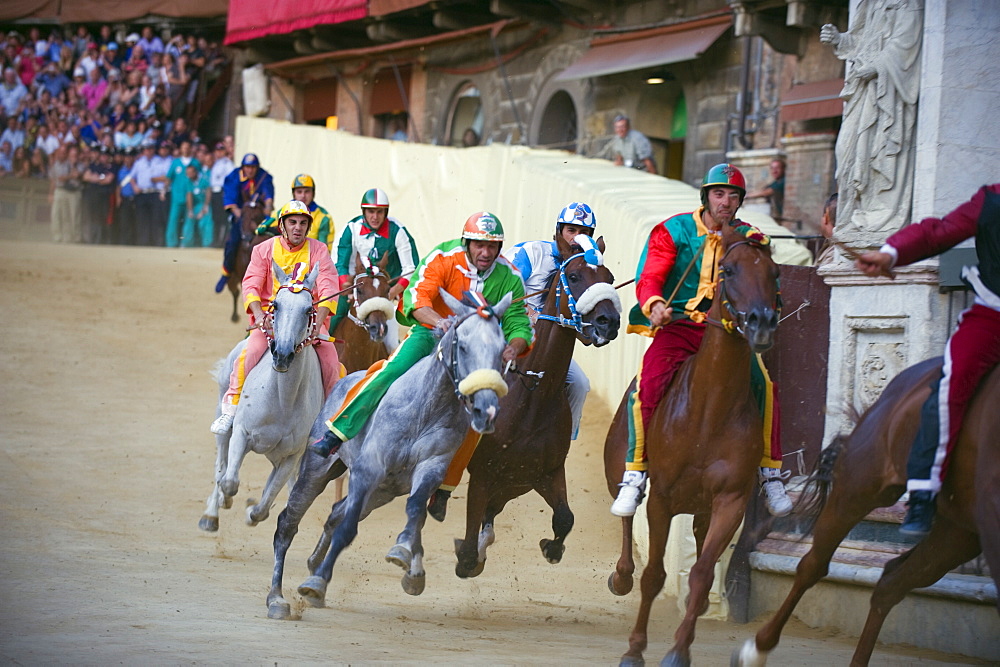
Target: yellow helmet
(303, 181)
(294, 207)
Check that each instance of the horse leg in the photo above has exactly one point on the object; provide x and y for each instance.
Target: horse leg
(842, 512)
(235, 291)
(230, 482)
(313, 589)
(408, 551)
(311, 481)
(620, 581)
(210, 519)
(727, 512)
(987, 516)
(946, 547)
(281, 473)
(652, 579)
(467, 549)
(554, 493)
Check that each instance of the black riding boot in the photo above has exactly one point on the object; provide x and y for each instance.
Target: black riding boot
(438, 505)
(919, 514)
(326, 445)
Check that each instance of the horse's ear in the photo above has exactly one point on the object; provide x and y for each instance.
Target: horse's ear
(359, 265)
(600, 244)
(384, 262)
(456, 306)
(310, 281)
(503, 305)
(279, 274)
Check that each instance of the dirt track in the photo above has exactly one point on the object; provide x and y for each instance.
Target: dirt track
(107, 460)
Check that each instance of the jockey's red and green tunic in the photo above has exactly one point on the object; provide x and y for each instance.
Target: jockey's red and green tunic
(447, 266)
(672, 246)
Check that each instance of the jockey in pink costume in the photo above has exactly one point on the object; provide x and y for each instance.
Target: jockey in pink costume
(292, 248)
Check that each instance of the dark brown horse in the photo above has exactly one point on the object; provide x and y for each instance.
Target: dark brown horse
(252, 215)
(364, 330)
(867, 469)
(704, 440)
(527, 451)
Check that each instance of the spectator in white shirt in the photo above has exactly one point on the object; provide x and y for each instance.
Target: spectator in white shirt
(46, 140)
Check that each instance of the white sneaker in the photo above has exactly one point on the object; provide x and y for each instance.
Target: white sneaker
(222, 424)
(630, 494)
(778, 502)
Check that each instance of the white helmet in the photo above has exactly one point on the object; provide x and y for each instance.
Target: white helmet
(578, 214)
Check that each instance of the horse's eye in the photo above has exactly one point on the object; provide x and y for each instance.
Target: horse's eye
(573, 278)
(727, 270)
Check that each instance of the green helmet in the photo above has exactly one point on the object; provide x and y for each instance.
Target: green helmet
(374, 198)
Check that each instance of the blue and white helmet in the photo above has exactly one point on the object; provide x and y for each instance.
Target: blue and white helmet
(578, 214)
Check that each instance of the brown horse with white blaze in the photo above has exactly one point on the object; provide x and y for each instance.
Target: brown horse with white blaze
(528, 449)
(866, 470)
(365, 328)
(704, 440)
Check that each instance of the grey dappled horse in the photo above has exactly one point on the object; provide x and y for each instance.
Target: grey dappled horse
(405, 448)
(279, 402)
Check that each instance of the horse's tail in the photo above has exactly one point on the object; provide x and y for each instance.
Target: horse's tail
(816, 490)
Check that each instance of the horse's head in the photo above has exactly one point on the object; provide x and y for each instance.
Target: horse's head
(593, 306)
(293, 314)
(472, 351)
(372, 306)
(251, 216)
(748, 299)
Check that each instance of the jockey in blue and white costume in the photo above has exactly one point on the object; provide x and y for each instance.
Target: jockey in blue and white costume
(537, 261)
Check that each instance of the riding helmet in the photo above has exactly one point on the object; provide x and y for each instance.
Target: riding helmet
(723, 174)
(483, 226)
(303, 181)
(375, 198)
(578, 214)
(294, 207)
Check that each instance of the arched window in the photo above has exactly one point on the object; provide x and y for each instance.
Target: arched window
(466, 113)
(558, 126)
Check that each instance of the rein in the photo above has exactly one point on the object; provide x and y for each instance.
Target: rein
(575, 320)
(312, 335)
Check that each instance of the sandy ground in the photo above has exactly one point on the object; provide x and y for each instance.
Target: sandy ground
(107, 460)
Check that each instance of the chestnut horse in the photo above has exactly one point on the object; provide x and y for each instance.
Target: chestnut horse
(364, 330)
(867, 469)
(252, 216)
(528, 449)
(704, 440)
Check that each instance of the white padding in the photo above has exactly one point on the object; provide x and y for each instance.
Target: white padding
(594, 295)
(374, 304)
(484, 378)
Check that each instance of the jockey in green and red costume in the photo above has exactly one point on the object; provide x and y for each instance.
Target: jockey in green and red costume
(678, 327)
(373, 235)
(471, 263)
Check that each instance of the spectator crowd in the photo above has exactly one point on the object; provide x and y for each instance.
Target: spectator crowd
(103, 117)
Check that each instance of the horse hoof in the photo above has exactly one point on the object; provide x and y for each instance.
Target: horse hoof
(227, 502)
(552, 550)
(631, 661)
(748, 656)
(626, 585)
(251, 519)
(210, 524)
(313, 589)
(279, 610)
(675, 659)
(414, 584)
(464, 572)
(399, 555)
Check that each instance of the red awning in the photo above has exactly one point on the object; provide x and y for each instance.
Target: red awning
(806, 101)
(250, 19)
(648, 48)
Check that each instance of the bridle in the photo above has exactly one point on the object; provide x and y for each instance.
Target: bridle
(312, 332)
(737, 323)
(451, 364)
(575, 320)
(372, 272)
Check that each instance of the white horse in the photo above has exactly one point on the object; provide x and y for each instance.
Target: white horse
(405, 448)
(279, 402)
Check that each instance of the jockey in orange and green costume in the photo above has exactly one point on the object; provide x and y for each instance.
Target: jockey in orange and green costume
(471, 263)
(678, 327)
